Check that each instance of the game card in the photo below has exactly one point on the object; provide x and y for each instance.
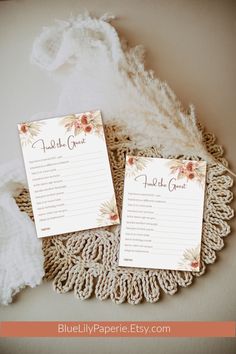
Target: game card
(68, 172)
(162, 213)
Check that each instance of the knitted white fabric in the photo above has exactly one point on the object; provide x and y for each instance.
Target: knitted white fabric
(21, 256)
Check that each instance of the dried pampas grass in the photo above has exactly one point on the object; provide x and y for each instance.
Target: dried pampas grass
(97, 70)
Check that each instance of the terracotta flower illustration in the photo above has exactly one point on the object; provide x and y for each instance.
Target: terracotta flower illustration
(191, 259)
(191, 170)
(28, 131)
(88, 123)
(135, 164)
(108, 213)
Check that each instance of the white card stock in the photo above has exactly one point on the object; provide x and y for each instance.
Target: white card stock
(162, 213)
(68, 173)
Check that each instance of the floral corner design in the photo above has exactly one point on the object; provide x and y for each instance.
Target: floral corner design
(87, 123)
(135, 164)
(191, 259)
(108, 213)
(28, 131)
(191, 170)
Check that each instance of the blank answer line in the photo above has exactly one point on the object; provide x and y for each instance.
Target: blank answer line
(78, 177)
(164, 231)
(85, 172)
(168, 249)
(88, 207)
(183, 221)
(87, 164)
(85, 184)
(160, 201)
(84, 160)
(159, 241)
(87, 201)
(173, 243)
(175, 215)
(184, 205)
(163, 217)
(177, 238)
(78, 190)
(68, 216)
(78, 155)
(162, 207)
(190, 199)
(84, 196)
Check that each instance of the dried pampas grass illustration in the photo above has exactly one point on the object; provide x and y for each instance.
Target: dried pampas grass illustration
(108, 213)
(135, 164)
(191, 259)
(28, 131)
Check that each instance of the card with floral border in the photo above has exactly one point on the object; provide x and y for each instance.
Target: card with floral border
(68, 172)
(162, 213)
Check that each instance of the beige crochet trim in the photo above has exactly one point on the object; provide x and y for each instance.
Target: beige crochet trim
(86, 261)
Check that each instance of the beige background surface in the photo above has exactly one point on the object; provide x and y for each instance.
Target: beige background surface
(191, 45)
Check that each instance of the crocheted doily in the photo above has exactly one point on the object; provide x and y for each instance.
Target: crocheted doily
(86, 261)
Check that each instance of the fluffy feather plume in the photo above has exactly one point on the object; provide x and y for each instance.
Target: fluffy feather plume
(157, 116)
(97, 70)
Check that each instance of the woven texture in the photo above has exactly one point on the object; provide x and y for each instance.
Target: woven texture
(86, 261)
